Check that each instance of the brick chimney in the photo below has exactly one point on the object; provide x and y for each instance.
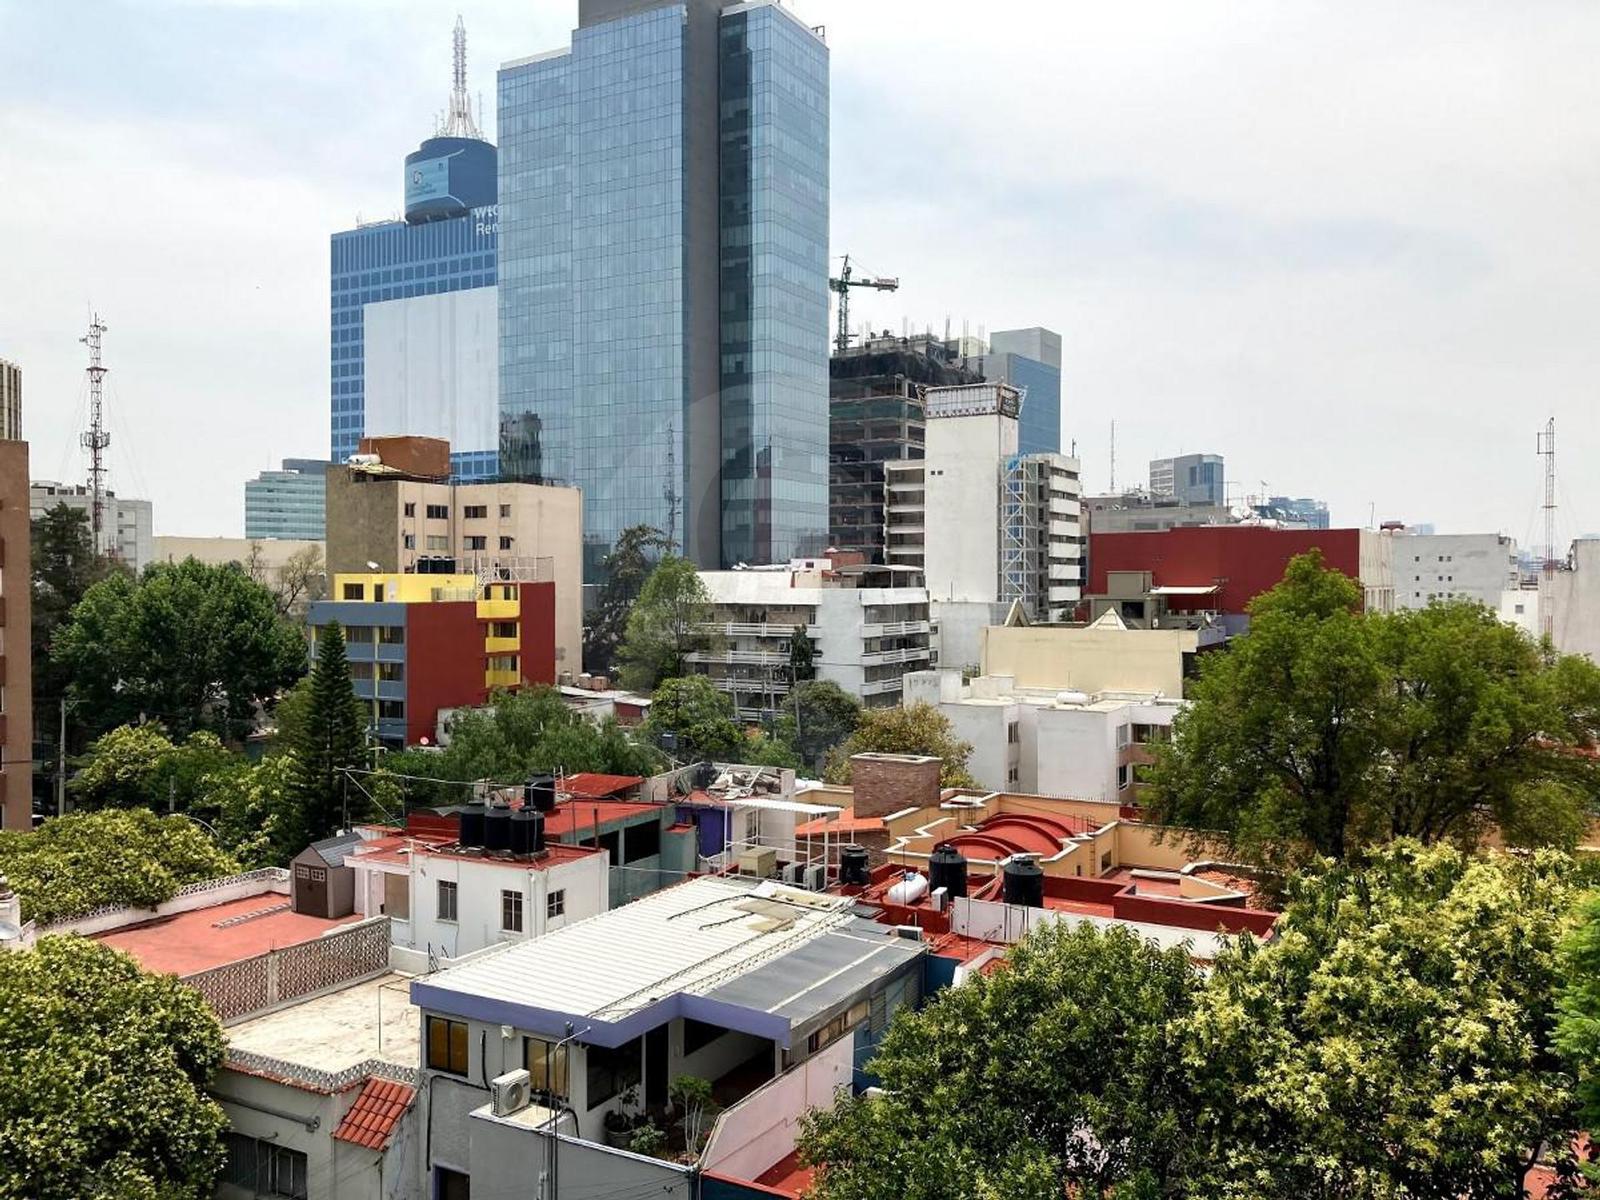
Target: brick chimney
(888, 783)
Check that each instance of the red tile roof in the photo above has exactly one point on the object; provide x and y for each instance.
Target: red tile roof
(576, 819)
(377, 1110)
(845, 821)
(591, 785)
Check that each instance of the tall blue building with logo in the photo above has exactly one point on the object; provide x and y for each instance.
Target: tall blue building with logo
(663, 278)
(414, 315)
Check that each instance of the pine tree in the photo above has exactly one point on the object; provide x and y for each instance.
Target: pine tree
(329, 740)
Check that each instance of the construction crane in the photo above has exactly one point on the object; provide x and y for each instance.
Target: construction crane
(842, 284)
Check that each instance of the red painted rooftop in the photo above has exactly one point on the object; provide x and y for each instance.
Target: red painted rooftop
(197, 941)
(845, 822)
(576, 819)
(377, 1110)
(591, 785)
(787, 1176)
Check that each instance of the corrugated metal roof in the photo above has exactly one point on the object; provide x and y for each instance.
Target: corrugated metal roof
(332, 850)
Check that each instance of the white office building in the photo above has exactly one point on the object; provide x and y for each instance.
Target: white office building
(128, 532)
(1454, 566)
(868, 625)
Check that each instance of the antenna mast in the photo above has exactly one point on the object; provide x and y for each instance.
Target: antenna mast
(1545, 447)
(458, 120)
(1113, 458)
(670, 492)
(95, 439)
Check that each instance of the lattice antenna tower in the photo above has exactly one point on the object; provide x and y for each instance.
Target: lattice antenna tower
(670, 492)
(95, 439)
(459, 121)
(1545, 447)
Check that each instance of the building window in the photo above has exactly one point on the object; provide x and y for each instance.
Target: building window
(546, 1066)
(438, 541)
(392, 635)
(1124, 735)
(411, 508)
(555, 904)
(265, 1168)
(1012, 735)
(505, 511)
(447, 900)
(438, 512)
(838, 1027)
(355, 591)
(447, 1046)
(477, 543)
(475, 512)
(391, 672)
(409, 541)
(505, 543)
(503, 629)
(641, 841)
(511, 911)
(1124, 776)
(612, 1071)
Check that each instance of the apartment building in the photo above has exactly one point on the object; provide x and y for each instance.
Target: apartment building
(1480, 567)
(16, 663)
(868, 625)
(401, 513)
(420, 643)
(128, 531)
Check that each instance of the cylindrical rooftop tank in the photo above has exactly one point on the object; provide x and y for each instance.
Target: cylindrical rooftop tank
(947, 869)
(497, 829)
(1024, 882)
(471, 817)
(539, 793)
(911, 888)
(448, 177)
(527, 831)
(853, 865)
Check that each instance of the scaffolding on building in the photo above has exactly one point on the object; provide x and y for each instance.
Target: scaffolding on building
(1019, 535)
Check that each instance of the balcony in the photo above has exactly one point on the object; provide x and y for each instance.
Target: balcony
(502, 679)
(755, 658)
(742, 629)
(878, 658)
(748, 687)
(502, 645)
(499, 610)
(878, 687)
(893, 628)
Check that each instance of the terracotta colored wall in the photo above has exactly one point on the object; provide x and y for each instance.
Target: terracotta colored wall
(16, 667)
(1247, 560)
(886, 785)
(538, 632)
(444, 663)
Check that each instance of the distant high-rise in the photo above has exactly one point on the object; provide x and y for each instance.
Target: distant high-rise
(1192, 478)
(1029, 359)
(664, 275)
(415, 330)
(290, 503)
(10, 402)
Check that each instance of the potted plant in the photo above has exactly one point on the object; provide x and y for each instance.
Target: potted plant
(621, 1121)
(691, 1100)
(649, 1139)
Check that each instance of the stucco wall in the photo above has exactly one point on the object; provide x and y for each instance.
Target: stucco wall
(1088, 659)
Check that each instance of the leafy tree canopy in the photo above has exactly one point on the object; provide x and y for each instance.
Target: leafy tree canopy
(74, 864)
(189, 645)
(827, 716)
(693, 717)
(667, 624)
(1578, 1031)
(138, 765)
(622, 573)
(104, 1071)
(1062, 1074)
(912, 729)
(1324, 729)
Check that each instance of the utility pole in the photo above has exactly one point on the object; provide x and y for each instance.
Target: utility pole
(1545, 447)
(95, 439)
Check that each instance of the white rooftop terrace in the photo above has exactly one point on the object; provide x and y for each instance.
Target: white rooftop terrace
(367, 1025)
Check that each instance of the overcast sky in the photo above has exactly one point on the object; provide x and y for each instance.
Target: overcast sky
(1350, 246)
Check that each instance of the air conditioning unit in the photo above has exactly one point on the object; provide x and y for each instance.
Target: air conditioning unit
(794, 874)
(510, 1093)
(761, 862)
(817, 877)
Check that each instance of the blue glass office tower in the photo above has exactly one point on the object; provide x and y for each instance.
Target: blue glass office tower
(663, 275)
(1031, 359)
(414, 313)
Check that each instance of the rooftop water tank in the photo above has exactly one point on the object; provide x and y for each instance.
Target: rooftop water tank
(471, 817)
(497, 828)
(911, 888)
(539, 793)
(1024, 882)
(853, 865)
(527, 831)
(947, 868)
(1072, 697)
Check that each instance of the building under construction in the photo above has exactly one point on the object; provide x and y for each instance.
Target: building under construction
(875, 416)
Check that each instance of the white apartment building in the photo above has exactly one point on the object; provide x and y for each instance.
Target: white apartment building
(128, 532)
(1080, 745)
(988, 526)
(868, 625)
(1453, 566)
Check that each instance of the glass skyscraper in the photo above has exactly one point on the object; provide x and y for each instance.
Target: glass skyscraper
(663, 275)
(291, 503)
(1031, 359)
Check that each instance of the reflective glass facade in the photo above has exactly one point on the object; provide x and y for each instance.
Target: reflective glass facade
(391, 261)
(677, 384)
(290, 503)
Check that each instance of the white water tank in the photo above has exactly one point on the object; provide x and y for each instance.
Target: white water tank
(911, 888)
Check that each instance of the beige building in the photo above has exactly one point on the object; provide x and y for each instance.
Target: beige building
(10, 402)
(286, 565)
(519, 531)
(1103, 657)
(16, 665)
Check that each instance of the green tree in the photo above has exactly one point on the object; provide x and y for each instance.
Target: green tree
(189, 645)
(258, 817)
(1324, 729)
(913, 729)
(327, 740)
(1395, 1039)
(827, 715)
(1061, 1075)
(694, 720)
(75, 864)
(802, 657)
(138, 765)
(667, 624)
(1578, 1029)
(104, 1077)
(622, 574)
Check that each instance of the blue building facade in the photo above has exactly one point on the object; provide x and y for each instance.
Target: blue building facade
(1031, 359)
(290, 503)
(663, 276)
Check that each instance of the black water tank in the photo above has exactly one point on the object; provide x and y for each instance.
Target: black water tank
(853, 865)
(1024, 882)
(705, 774)
(947, 868)
(539, 793)
(471, 817)
(527, 831)
(497, 829)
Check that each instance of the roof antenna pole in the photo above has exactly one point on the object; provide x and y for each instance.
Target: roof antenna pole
(459, 122)
(1545, 444)
(95, 439)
